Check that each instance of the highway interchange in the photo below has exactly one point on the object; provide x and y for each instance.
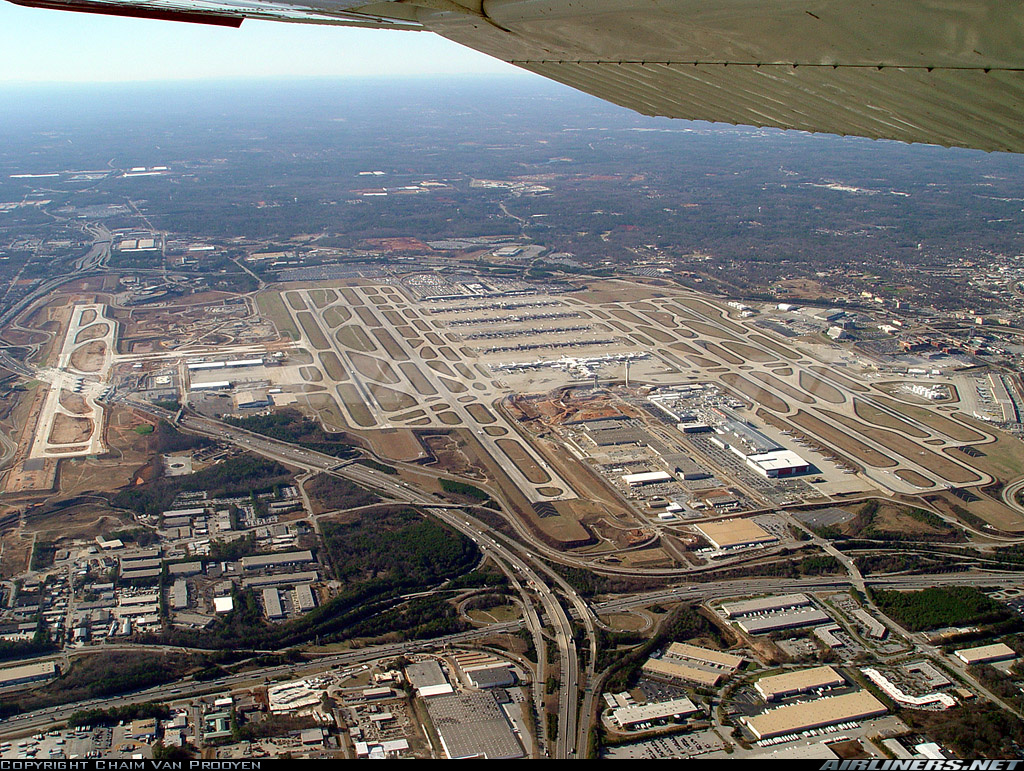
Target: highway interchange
(551, 606)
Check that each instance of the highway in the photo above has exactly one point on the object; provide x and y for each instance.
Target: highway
(542, 590)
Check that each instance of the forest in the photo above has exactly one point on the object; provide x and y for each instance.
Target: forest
(241, 475)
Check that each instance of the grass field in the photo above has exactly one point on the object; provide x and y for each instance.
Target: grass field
(314, 334)
(419, 382)
(355, 338)
(748, 352)
(522, 460)
(784, 352)
(780, 385)
(720, 352)
(754, 392)
(374, 368)
(819, 388)
(934, 421)
(939, 464)
(841, 440)
(336, 315)
(843, 381)
(355, 405)
(332, 365)
(874, 415)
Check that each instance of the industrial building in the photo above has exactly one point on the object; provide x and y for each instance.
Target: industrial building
(638, 714)
(777, 687)
(473, 725)
(765, 604)
(272, 604)
(277, 560)
(694, 664)
(832, 710)
(648, 478)
(733, 533)
(787, 619)
(304, 598)
(777, 464)
(986, 654)
(214, 385)
(252, 400)
(27, 673)
(427, 678)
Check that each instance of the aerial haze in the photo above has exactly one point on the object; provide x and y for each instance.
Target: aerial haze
(472, 416)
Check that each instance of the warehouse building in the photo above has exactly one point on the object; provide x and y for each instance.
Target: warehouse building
(281, 579)
(765, 604)
(778, 464)
(796, 718)
(787, 619)
(639, 714)
(472, 725)
(648, 478)
(272, 604)
(777, 687)
(213, 385)
(304, 598)
(277, 560)
(986, 654)
(734, 533)
(693, 664)
(27, 673)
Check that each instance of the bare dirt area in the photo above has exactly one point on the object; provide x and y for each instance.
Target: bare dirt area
(92, 332)
(88, 317)
(81, 521)
(89, 357)
(15, 553)
(522, 460)
(75, 403)
(396, 444)
(68, 430)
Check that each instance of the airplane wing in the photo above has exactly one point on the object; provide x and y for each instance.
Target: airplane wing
(946, 72)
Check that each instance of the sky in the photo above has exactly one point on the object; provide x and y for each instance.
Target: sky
(42, 46)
